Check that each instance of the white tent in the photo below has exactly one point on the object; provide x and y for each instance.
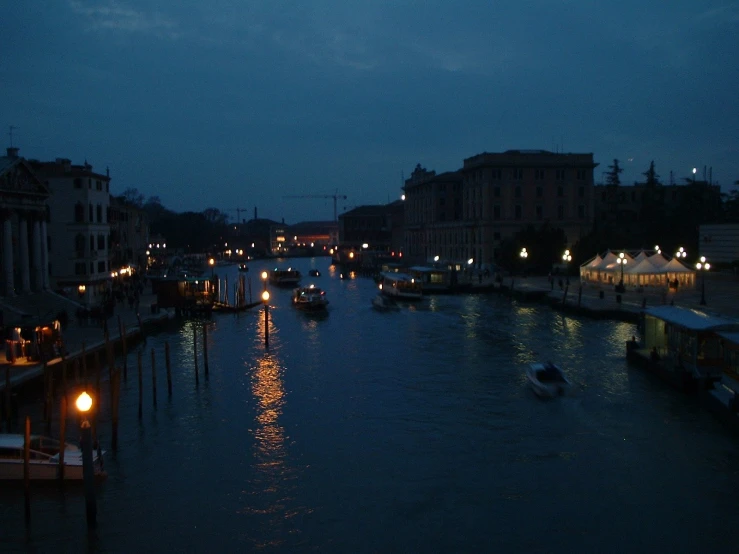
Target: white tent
(639, 271)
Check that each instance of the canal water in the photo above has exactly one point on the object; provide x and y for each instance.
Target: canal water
(409, 431)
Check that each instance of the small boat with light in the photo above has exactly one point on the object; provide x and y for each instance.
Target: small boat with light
(44, 459)
(314, 273)
(284, 277)
(310, 299)
(548, 380)
(243, 267)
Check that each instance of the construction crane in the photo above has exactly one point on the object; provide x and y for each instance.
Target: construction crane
(238, 212)
(334, 196)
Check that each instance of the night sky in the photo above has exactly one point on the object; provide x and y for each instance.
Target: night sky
(236, 104)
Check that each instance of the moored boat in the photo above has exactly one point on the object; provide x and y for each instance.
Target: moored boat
(310, 298)
(400, 285)
(243, 267)
(548, 380)
(44, 459)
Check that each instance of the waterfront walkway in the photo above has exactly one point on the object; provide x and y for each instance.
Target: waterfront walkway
(87, 335)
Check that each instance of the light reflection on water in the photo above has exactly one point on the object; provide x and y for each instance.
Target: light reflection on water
(404, 431)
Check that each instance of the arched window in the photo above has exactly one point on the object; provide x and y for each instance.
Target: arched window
(79, 213)
(79, 245)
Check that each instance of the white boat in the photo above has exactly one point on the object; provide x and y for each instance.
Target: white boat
(44, 459)
(310, 298)
(284, 277)
(384, 303)
(400, 285)
(548, 380)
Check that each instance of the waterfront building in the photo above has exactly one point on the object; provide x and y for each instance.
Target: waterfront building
(370, 233)
(25, 247)
(313, 237)
(78, 228)
(719, 242)
(129, 234)
(469, 213)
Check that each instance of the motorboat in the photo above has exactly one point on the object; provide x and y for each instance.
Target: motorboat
(243, 267)
(314, 273)
(44, 459)
(548, 380)
(284, 277)
(310, 298)
(384, 303)
(400, 285)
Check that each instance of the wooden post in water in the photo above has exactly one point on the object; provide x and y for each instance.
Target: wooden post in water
(154, 377)
(97, 376)
(49, 379)
(169, 369)
(141, 386)
(205, 348)
(111, 365)
(27, 467)
(122, 331)
(7, 397)
(195, 351)
(115, 386)
(62, 434)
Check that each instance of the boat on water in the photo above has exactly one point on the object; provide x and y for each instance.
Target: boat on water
(284, 277)
(44, 459)
(384, 303)
(243, 267)
(400, 285)
(314, 273)
(548, 380)
(310, 298)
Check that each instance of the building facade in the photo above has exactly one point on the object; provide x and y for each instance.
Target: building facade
(467, 214)
(24, 244)
(129, 235)
(79, 230)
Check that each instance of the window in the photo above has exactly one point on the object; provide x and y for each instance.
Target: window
(101, 242)
(581, 192)
(99, 184)
(496, 174)
(519, 211)
(581, 211)
(580, 174)
(539, 213)
(101, 267)
(559, 174)
(92, 243)
(79, 213)
(91, 219)
(79, 245)
(79, 268)
(78, 183)
(517, 192)
(561, 213)
(89, 184)
(496, 192)
(539, 192)
(538, 174)
(100, 213)
(496, 211)
(518, 174)
(560, 191)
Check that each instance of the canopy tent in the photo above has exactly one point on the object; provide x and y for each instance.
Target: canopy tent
(639, 271)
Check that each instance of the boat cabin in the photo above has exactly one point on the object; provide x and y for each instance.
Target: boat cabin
(687, 341)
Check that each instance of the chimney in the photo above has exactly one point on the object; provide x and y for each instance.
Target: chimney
(12, 152)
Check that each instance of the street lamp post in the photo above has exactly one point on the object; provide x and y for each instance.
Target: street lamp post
(264, 276)
(621, 260)
(523, 255)
(84, 403)
(703, 266)
(212, 264)
(265, 299)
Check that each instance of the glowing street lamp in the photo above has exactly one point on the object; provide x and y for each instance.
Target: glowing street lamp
(84, 404)
(621, 260)
(264, 279)
(566, 259)
(657, 249)
(212, 263)
(265, 300)
(703, 266)
(681, 253)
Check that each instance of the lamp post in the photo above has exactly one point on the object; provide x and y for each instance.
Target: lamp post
(264, 276)
(212, 264)
(621, 260)
(703, 266)
(567, 258)
(694, 172)
(523, 255)
(265, 299)
(681, 253)
(84, 403)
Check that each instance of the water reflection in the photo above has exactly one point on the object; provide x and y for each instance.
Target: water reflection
(268, 390)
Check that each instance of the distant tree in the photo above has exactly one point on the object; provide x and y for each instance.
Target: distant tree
(133, 197)
(545, 246)
(651, 177)
(215, 216)
(612, 177)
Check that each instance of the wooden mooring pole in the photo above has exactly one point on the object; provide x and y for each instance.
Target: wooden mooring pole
(154, 378)
(115, 386)
(195, 351)
(27, 468)
(141, 386)
(169, 369)
(205, 348)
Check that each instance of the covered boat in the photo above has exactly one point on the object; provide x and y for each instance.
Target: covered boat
(548, 380)
(310, 298)
(44, 459)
